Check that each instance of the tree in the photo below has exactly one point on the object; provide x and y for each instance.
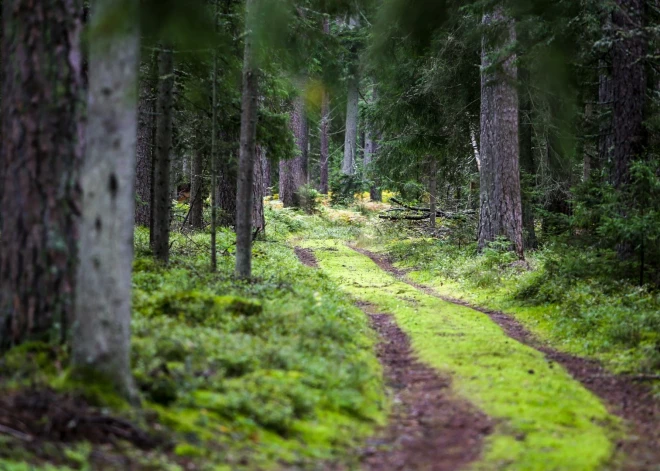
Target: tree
(325, 128)
(292, 171)
(352, 108)
(244, 193)
(501, 206)
(197, 190)
(260, 185)
(145, 147)
(41, 157)
(350, 139)
(101, 332)
(628, 87)
(162, 201)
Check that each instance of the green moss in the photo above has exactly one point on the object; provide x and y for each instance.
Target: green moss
(545, 419)
(98, 390)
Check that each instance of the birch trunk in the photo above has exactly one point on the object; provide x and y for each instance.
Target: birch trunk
(102, 333)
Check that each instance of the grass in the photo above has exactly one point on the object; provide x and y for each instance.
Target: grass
(273, 373)
(545, 419)
(571, 297)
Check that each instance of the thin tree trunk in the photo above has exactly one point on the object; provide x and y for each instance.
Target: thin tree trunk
(197, 191)
(370, 154)
(292, 172)
(501, 207)
(324, 160)
(102, 329)
(267, 175)
(214, 155)
(628, 87)
(350, 138)
(258, 218)
(162, 200)
(226, 190)
(145, 146)
(41, 157)
(245, 188)
(433, 190)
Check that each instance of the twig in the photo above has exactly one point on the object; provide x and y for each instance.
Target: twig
(16, 434)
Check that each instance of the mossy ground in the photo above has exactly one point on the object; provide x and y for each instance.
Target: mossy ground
(545, 419)
(279, 372)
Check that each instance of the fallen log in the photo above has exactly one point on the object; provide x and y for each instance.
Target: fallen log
(439, 213)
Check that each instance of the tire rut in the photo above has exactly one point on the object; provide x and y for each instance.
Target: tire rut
(625, 398)
(429, 429)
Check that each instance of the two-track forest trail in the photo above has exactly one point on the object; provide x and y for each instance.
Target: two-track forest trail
(513, 407)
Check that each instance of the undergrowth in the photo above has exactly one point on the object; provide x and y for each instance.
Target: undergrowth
(573, 296)
(272, 373)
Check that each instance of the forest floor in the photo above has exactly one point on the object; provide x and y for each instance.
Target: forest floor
(347, 351)
(474, 385)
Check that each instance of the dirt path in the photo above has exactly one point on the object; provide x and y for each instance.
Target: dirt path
(625, 397)
(429, 428)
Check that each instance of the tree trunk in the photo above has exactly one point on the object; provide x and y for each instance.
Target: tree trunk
(162, 198)
(258, 218)
(226, 191)
(370, 154)
(197, 191)
(501, 207)
(41, 157)
(527, 164)
(145, 146)
(102, 329)
(324, 160)
(433, 190)
(245, 187)
(350, 138)
(267, 175)
(292, 172)
(628, 87)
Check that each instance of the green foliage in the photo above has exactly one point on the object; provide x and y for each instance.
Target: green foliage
(264, 360)
(544, 419)
(572, 295)
(309, 199)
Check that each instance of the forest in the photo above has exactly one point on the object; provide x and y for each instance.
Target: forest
(330, 235)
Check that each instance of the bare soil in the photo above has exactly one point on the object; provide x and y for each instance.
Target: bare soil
(306, 256)
(625, 396)
(41, 420)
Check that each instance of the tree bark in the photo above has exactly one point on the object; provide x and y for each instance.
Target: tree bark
(258, 217)
(245, 187)
(41, 157)
(102, 329)
(197, 191)
(162, 198)
(292, 172)
(433, 190)
(324, 160)
(145, 146)
(370, 154)
(350, 137)
(628, 87)
(527, 163)
(501, 207)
